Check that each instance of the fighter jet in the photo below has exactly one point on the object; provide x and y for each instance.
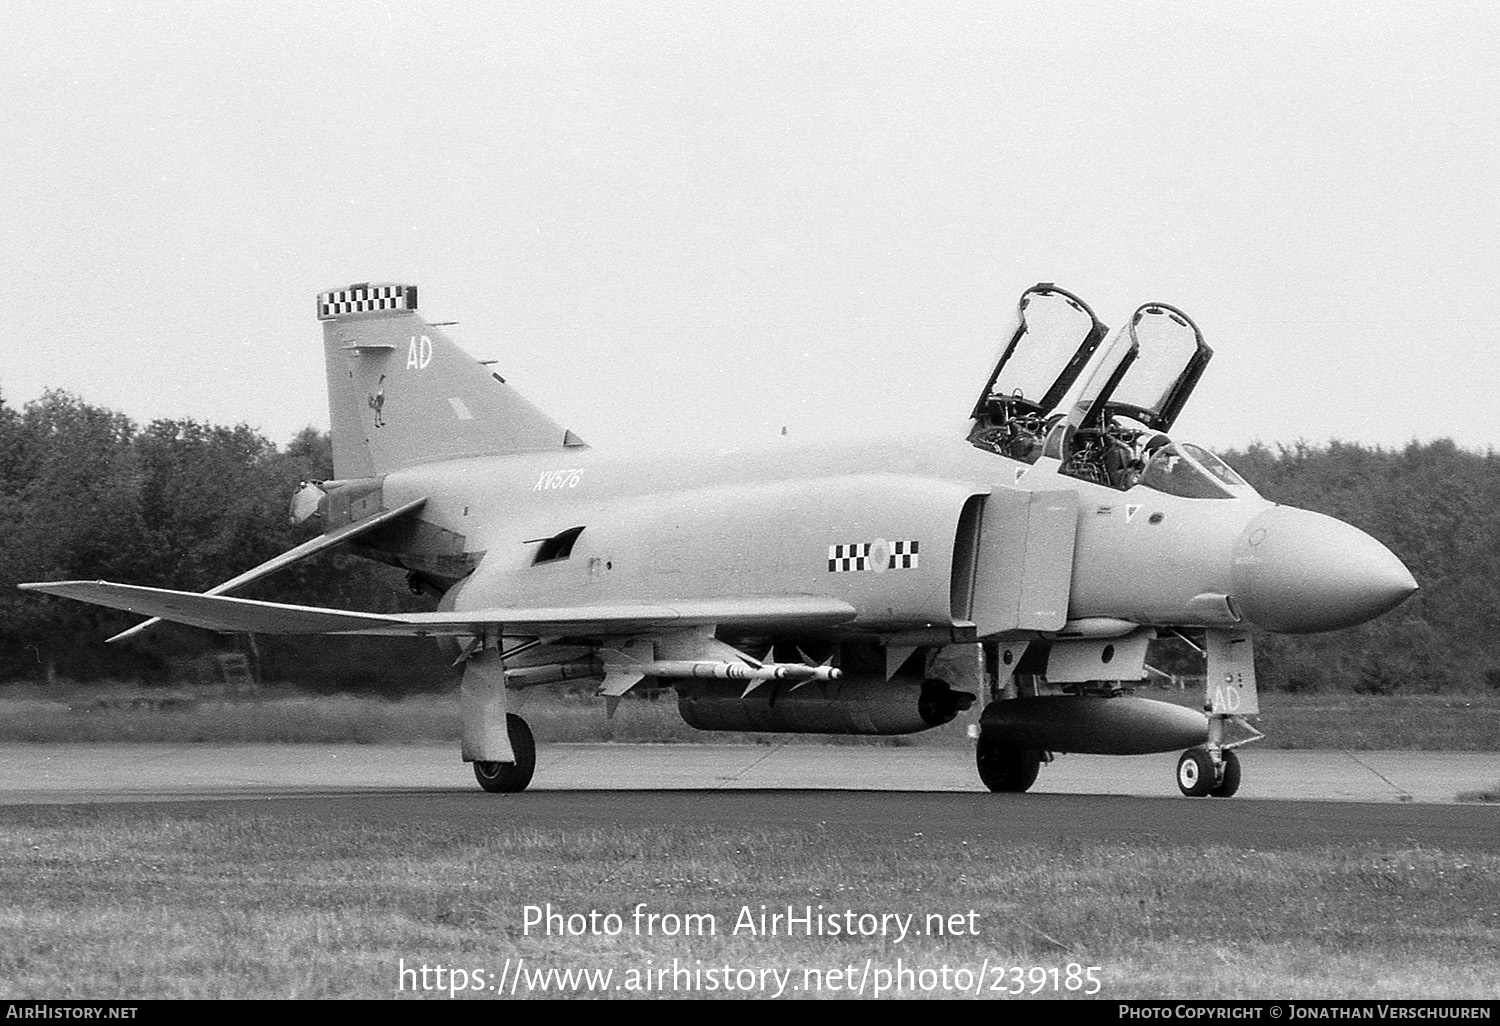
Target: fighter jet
(812, 588)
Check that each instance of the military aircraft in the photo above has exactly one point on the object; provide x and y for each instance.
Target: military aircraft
(811, 588)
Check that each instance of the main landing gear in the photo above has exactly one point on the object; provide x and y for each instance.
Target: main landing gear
(1006, 767)
(1198, 775)
(503, 777)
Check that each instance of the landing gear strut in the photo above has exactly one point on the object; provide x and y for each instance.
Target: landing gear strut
(1229, 695)
(503, 777)
(1006, 767)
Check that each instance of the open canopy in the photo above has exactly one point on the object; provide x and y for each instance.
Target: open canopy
(1170, 359)
(1054, 337)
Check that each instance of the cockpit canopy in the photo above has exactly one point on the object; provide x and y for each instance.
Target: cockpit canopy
(1115, 433)
(1171, 357)
(1055, 335)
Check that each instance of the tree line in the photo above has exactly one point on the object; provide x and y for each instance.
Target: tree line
(86, 493)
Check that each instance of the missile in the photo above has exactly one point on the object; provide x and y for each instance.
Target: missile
(672, 669)
(714, 670)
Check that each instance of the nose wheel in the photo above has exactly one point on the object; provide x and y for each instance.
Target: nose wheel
(1199, 775)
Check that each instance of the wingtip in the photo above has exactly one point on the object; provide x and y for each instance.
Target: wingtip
(52, 586)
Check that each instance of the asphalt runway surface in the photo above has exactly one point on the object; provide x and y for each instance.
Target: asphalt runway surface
(1288, 799)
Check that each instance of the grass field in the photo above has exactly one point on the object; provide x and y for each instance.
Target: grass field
(1461, 722)
(110, 902)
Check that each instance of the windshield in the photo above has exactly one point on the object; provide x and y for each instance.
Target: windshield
(1215, 466)
(1173, 469)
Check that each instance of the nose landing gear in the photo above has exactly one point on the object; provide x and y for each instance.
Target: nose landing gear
(1200, 775)
(1213, 770)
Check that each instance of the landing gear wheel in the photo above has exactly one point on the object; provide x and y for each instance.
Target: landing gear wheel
(1229, 778)
(1195, 773)
(505, 777)
(1006, 767)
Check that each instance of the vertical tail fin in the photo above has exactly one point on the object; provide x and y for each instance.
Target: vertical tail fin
(401, 393)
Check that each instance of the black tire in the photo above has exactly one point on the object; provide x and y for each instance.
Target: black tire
(1006, 768)
(1195, 773)
(1229, 778)
(509, 777)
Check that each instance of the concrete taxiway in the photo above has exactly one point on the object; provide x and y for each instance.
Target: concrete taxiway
(886, 795)
(67, 773)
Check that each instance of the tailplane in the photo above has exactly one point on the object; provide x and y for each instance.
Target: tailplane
(401, 393)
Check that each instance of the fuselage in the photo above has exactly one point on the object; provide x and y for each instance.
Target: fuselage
(893, 527)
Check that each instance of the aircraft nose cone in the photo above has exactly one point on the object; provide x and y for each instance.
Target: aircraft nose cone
(1299, 572)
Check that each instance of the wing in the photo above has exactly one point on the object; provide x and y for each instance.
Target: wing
(237, 615)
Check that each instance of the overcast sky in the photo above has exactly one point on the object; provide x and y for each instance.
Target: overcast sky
(712, 220)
